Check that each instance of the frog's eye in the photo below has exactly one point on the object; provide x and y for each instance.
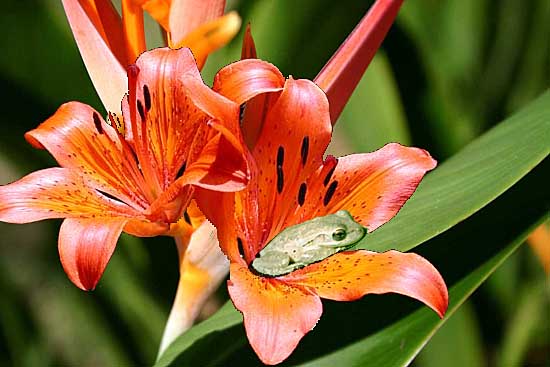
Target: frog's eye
(339, 234)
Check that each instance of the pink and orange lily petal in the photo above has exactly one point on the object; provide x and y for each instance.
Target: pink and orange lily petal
(85, 247)
(177, 136)
(291, 182)
(349, 275)
(276, 314)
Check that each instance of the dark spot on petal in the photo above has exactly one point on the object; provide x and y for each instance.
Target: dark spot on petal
(280, 179)
(330, 192)
(146, 97)
(181, 170)
(97, 123)
(240, 246)
(302, 194)
(329, 176)
(141, 110)
(110, 196)
(305, 149)
(280, 156)
(186, 217)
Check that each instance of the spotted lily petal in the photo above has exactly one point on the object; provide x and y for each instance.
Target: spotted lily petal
(57, 193)
(79, 138)
(182, 143)
(85, 247)
(276, 315)
(285, 156)
(105, 70)
(350, 275)
(290, 147)
(371, 186)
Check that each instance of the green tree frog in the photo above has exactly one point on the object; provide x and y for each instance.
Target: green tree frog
(308, 242)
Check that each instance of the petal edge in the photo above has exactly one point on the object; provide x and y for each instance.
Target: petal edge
(276, 315)
(85, 247)
(349, 275)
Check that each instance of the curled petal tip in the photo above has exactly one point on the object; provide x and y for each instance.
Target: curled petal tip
(187, 15)
(210, 36)
(85, 247)
(245, 79)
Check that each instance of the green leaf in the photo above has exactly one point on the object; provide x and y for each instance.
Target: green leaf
(448, 37)
(524, 325)
(469, 180)
(458, 343)
(532, 76)
(465, 255)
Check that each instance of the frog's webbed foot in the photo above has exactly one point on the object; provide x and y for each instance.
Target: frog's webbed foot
(273, 263)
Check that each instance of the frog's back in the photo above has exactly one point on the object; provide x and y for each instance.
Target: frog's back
(316, 228)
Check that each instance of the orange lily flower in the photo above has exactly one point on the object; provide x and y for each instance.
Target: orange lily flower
(178, 135)
(291, 183)
(109, 42)
(338, 78)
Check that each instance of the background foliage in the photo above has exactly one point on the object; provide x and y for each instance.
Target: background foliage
(448, 72)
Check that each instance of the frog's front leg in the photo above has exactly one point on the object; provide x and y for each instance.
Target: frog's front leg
(273, 263)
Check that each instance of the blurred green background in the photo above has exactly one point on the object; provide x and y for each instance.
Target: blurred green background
(448, 71)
